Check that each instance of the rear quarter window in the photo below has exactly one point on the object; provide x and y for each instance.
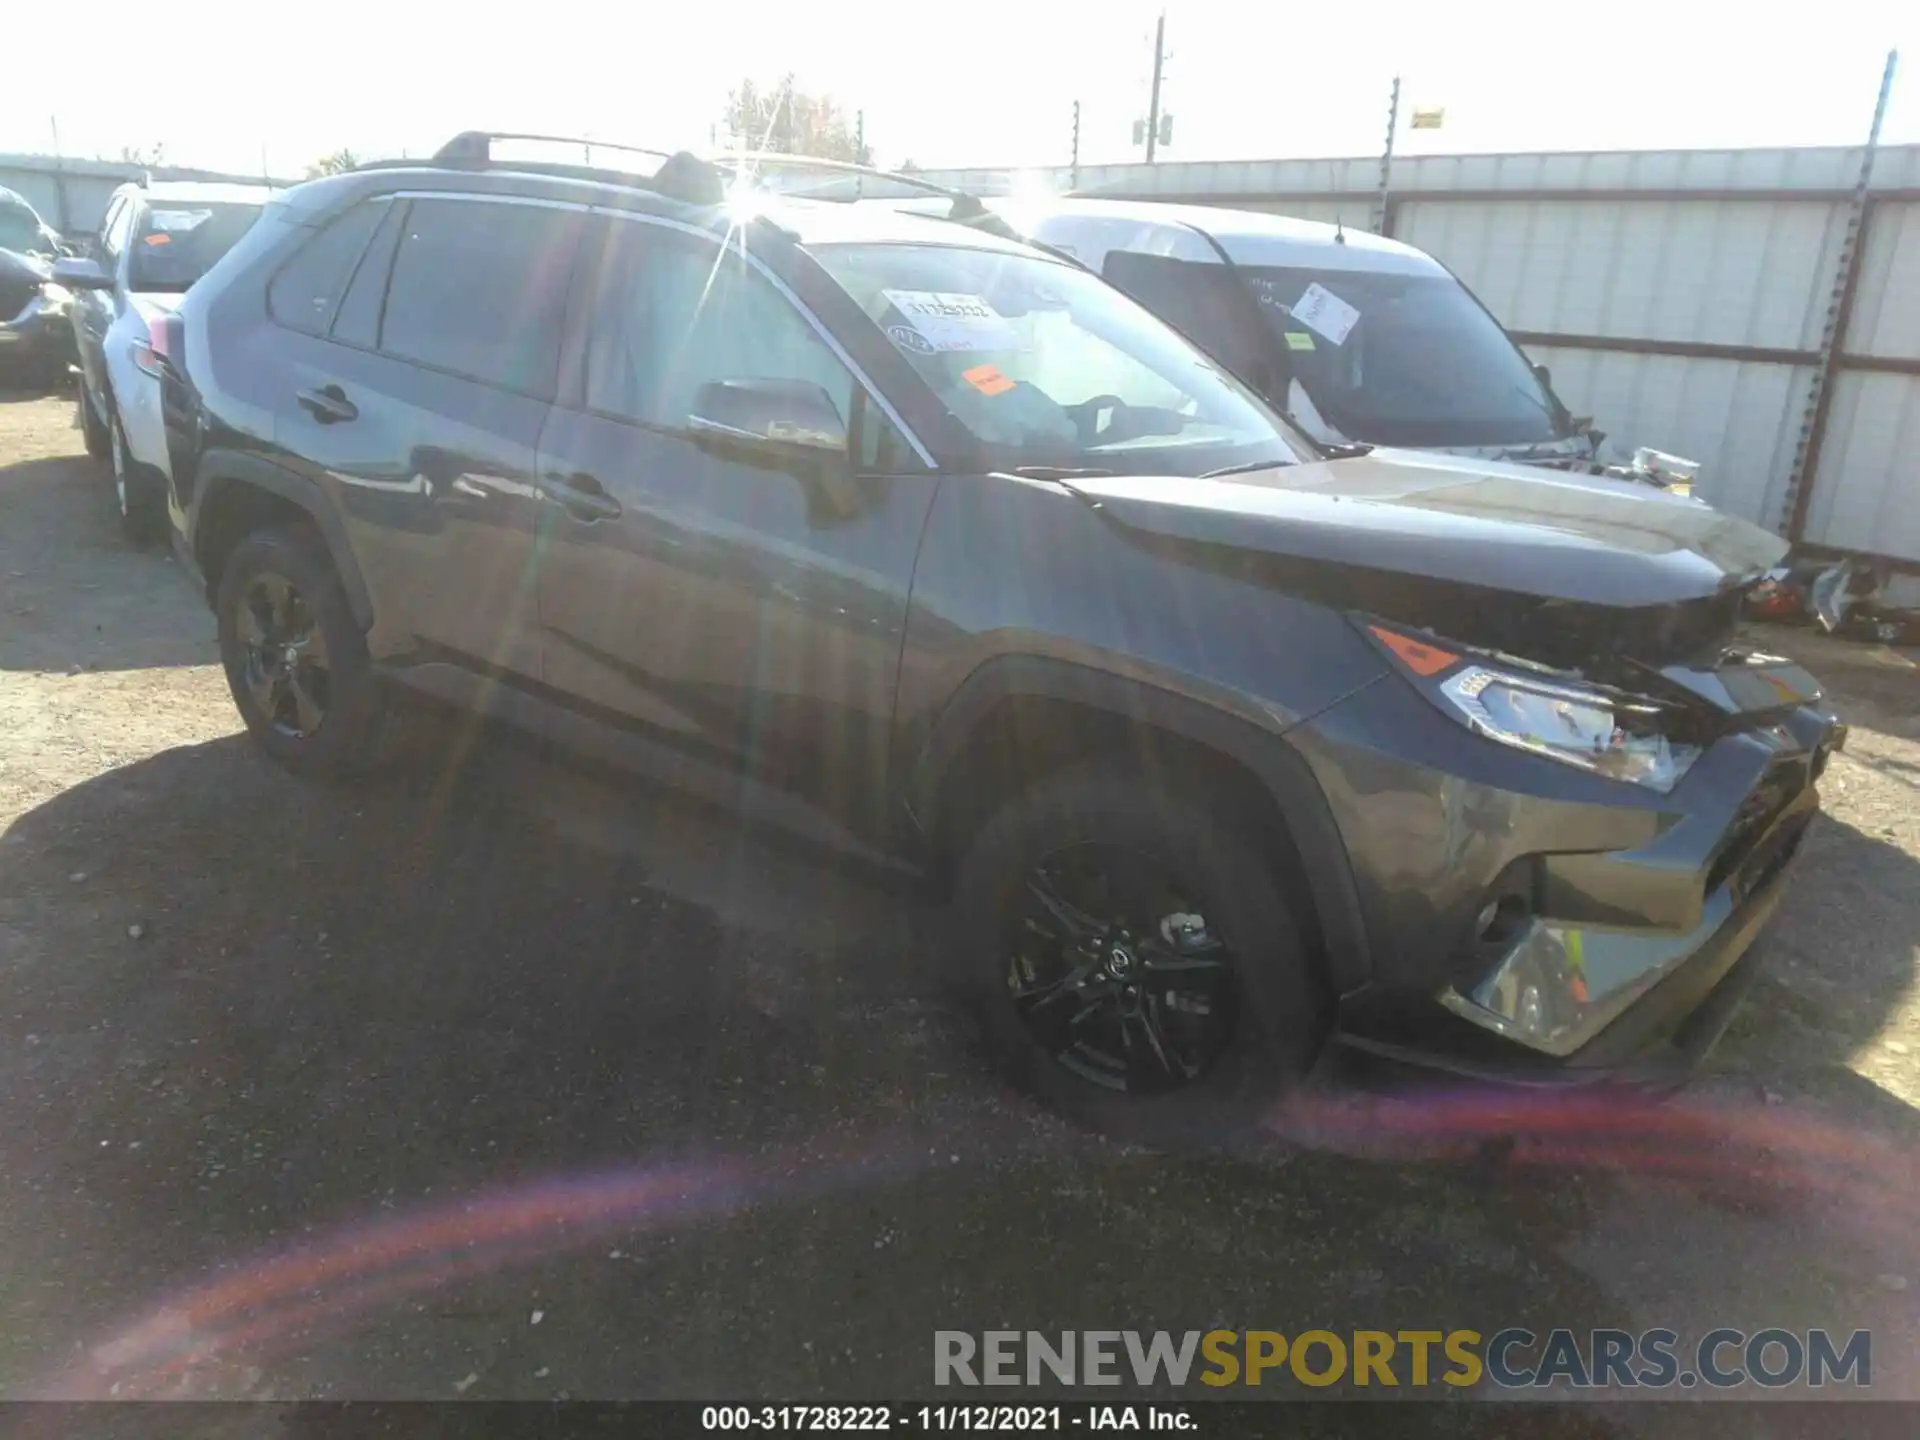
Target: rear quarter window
(304, 295)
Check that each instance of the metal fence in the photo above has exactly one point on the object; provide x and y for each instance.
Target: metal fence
(72, 195)
(1681, 298)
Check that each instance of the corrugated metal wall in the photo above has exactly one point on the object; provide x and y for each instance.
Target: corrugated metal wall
(1678, 297)
(72, 195)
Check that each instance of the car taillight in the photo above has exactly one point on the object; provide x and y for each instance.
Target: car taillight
(163, 349)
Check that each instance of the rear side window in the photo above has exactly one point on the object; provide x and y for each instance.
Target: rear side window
(480, 288)
(303, 295)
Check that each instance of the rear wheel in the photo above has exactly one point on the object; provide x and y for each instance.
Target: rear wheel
(136, 489)
(296, 662)
(93, 430)
(1134, 958)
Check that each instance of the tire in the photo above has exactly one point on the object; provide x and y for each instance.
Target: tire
(137, 490)
(357, 725)
(1280, 1008)
(93, 430)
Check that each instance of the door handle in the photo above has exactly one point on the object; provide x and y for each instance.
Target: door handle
(581, 496)
(329, 404)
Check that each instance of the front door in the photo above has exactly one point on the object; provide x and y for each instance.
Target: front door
(739, 611)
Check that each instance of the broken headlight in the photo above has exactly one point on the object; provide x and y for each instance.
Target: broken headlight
(1602, 731)
(1592, 729)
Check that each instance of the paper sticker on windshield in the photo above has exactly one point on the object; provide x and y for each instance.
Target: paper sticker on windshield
(987, 379)
(1325, 313)
(947, 321)
(1298, 341)
(175, 221)
(160, 239)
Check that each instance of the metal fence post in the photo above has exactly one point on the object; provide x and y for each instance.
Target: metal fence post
(1833, 330)
(1379, 225)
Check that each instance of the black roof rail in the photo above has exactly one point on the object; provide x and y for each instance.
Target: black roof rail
(681, 175)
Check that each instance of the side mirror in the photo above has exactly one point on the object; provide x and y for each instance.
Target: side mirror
(778, 417)
(1543, 375)
(788, 425)
(79, 273)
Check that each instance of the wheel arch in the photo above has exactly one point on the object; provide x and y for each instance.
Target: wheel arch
(1017, 718)
(237, 493)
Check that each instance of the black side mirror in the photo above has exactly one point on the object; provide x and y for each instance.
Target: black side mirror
(788, 425)
(1543, 375)
(79, 273)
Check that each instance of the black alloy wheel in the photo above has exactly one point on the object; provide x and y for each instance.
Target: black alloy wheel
(286, 667)
(1114, 971)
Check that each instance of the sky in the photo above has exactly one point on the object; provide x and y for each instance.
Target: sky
(240, 86)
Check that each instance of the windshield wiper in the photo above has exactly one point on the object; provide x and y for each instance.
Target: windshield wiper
(1059, 472)
(1245, 469)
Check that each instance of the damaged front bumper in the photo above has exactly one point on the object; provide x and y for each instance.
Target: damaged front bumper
(1561, 938)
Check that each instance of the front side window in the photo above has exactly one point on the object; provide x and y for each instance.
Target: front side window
(1044, 364)
(479, 288)
(113, 229)
(1401, 359)
(178, 241)
(672, 312)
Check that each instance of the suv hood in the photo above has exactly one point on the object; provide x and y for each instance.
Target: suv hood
(1491, 526)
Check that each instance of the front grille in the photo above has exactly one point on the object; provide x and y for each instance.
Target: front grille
(15, 292)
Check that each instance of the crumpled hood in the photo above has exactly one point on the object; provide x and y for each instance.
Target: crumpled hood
(1506, 527)
(17, 264)
(151, 303)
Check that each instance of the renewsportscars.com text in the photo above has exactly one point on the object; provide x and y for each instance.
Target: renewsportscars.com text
(1512, 1358)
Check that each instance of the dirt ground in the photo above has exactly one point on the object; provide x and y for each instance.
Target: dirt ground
(496, 1078)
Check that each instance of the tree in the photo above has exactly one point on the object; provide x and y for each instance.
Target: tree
(146, 156)
(339, 161)
(788, 119)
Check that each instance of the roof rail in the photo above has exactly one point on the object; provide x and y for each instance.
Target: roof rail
(967, 208)
(681, 175)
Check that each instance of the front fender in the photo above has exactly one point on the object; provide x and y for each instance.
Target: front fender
(1265, 752)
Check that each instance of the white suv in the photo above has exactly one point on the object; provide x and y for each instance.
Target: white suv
(154, 242)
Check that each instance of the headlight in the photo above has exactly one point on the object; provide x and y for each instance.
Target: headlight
(1600, 731)
(1580, 727)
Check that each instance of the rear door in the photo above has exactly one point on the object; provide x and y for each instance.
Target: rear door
(731, 608)
(418, 404)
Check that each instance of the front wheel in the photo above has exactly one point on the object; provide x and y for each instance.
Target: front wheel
(1134, 958)
(296, 662)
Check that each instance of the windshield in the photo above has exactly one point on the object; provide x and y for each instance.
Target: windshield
(20, 228)
(178, 243)
(1400, 359)
(1044, 364)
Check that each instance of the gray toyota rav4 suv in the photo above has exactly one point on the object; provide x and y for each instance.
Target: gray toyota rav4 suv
(1232, 752)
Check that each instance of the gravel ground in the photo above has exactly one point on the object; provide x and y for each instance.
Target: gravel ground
(496, 1078)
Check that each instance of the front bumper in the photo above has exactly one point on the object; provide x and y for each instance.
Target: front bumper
(1653, 901)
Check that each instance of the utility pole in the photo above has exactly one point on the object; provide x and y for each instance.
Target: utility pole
(1073, 168)
(1386, 161)
(1153, 97)
(859, 151)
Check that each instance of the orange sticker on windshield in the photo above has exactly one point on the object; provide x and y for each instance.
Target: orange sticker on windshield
(987, 379)
(159, 238)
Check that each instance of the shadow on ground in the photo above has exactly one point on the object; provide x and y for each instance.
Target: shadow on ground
(388, 1072)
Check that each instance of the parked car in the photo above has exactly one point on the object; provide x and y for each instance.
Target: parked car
(929, 542)
(1356, 337)
(155, 240)
(36, 341)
